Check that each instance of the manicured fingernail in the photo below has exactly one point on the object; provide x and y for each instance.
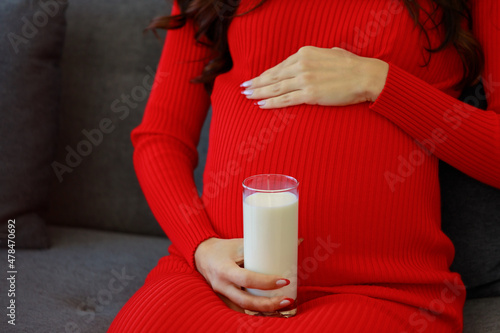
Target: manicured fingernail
(247, 92)
(286, 302)
(246, 84)
(283, 282)
(261, 103)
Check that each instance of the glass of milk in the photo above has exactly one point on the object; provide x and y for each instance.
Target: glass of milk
(270, 227)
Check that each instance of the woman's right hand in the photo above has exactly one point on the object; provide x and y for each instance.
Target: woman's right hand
(218, 261)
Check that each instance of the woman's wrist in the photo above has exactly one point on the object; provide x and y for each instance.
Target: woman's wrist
(200, 249)
(376, 71)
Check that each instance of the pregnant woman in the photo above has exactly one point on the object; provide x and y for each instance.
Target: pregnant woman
(355, 99)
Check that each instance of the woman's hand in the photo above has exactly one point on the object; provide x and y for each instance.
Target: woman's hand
(314, 75)
(218, 261)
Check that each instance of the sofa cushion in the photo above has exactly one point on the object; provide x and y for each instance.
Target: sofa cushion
(32, 34)
(482, 316)
(108, 68)
(471, 219)
(82, 281)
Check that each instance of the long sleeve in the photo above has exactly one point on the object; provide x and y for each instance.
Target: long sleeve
(165, 143)
(461, 135)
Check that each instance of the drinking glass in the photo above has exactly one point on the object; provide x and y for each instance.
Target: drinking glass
(270, 227)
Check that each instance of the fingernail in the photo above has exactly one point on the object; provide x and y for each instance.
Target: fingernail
(246, 84)
(247, 92)
(286, 302)
(261, 103)
(283, 282)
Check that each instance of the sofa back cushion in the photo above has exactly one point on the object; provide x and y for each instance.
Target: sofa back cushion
(108, 67)
(32, 36)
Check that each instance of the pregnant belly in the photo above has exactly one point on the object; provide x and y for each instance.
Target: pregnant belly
(341, 156)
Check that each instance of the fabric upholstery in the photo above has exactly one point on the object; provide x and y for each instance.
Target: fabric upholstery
(108, 67)
(481, 315)
(32, 35)
(82, 281)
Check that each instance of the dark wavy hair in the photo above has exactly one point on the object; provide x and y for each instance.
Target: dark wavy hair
(211, 19)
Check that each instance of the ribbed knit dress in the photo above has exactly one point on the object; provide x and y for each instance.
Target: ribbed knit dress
(374, 258)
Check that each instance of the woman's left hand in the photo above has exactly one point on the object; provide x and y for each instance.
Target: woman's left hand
(314, 75)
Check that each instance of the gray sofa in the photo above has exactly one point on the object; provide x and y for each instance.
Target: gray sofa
(103, 238)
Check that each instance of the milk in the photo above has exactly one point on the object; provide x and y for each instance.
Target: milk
(271, 238)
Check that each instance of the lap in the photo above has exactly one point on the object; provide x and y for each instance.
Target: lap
(176, 298)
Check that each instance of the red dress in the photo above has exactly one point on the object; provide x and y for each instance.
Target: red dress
(374, 258)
